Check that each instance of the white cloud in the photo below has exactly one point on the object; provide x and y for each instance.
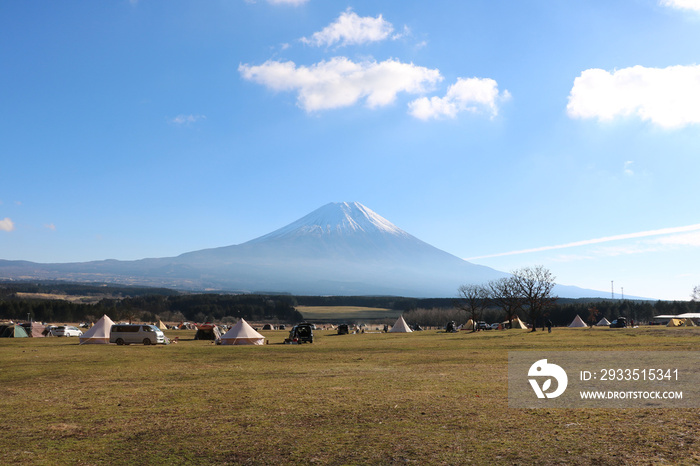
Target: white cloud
(680, 233)
(351, 29)
(628, 168)
(6, 224)
(288, 2)
(686, 239)
(187, 119)
(50, 226)
(466, 95)
(668, 97)
(682, 4)
(340, 82)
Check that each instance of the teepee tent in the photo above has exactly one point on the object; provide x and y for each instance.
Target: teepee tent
(517, 323)
(35, 329)
(242, 334)
(578, 322)
(400, 326)
(98, 333)
(603, 323)
(674, 323)
(161, 325)
(468, 326)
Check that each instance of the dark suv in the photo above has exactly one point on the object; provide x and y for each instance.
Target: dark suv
(343, 329)
(302, 333)
(620, 322)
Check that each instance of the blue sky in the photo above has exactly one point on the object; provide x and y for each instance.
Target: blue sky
(565, 134)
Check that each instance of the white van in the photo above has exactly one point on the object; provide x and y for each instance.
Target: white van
(124, 334)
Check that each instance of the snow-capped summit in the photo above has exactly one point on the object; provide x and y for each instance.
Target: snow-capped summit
(339, 249)
(337, 218)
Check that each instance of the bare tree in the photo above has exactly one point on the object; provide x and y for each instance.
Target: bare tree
(504, 294)
(696, 294)
(473, 299)
(535, 285)
(593, 316)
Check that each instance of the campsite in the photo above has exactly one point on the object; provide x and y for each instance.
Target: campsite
(427, 397)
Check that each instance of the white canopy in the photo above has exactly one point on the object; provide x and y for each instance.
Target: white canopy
(578, 322)
(242, 334)
(400, 326)
(603, 323)
(99, 333)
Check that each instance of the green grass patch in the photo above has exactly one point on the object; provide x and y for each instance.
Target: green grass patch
(338, 314)
(425, 398)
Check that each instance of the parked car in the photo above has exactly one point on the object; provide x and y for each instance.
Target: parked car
(124, 334)
(66, 331)
(481, 325)
(495, 326)
(620, 322)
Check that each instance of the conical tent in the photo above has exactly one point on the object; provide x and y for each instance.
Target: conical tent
(242, 334)
(35, 329)
(517, 323)
(603, 323)
(674, 323)
(468, 326)
(162, 326)
(400, 326)
(98, 333)
(578, 322)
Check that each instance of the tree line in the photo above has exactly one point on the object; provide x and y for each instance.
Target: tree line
(527, 294)
(151, 308)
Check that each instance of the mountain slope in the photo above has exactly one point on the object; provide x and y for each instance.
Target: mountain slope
(338, 249)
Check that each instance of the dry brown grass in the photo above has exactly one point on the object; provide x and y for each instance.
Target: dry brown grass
(423, 398)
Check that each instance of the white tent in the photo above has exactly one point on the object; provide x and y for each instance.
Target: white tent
(517, 323)
(400, 326)
(242, 334)
(98, 333)
(603, 323)
(578, 322)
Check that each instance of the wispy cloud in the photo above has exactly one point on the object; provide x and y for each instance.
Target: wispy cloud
(678, 239)
(288, 2)
(472, 95)
(187, 119)
(667, 97)
(627, 170)
(50, 226)
(351, 29)
(682, 4)
(340, 82)
(6, 224)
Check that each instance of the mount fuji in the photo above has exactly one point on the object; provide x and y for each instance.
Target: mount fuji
(339, 249)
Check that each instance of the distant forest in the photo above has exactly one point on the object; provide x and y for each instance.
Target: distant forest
(140, 304)
(123, 303)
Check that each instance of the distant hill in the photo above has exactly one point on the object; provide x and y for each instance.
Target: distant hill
(339, 249)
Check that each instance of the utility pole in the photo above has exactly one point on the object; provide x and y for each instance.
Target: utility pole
(612, 289)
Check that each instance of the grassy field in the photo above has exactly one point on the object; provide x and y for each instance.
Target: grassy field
(420, 398)
(347, 314)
